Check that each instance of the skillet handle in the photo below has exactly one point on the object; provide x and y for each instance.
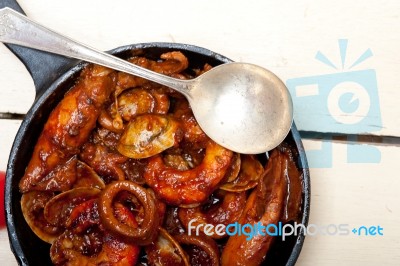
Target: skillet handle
(44, 67)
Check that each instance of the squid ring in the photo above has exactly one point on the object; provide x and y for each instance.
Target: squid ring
(147, 230)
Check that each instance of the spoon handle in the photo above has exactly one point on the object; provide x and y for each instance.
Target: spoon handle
(18, 29)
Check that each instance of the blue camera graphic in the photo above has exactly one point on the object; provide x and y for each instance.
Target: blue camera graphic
(344, 102)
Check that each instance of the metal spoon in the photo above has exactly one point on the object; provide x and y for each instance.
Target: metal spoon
(241, 106)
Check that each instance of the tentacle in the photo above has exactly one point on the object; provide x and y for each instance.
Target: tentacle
(226, 211)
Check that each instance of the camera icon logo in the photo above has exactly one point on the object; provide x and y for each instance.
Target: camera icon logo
(342, 102)
(345, 102)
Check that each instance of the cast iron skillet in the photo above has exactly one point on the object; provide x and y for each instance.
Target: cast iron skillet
(53, 76)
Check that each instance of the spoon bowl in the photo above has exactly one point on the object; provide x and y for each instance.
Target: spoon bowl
(243, 107)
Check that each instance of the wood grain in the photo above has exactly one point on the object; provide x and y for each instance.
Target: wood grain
(357, 195)
(283, 37)
(6, 256)
(8, 130)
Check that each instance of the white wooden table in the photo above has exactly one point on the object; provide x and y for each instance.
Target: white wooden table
(353, 183)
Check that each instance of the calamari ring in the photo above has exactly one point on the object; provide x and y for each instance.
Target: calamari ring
(190, 186)
(146, 231)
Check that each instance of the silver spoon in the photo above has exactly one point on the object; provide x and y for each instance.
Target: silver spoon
(241, 106)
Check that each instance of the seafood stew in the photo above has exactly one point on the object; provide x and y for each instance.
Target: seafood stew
(122, 162)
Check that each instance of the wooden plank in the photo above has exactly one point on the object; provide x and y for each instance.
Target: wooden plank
(284, 37)
(8, 130)
(6, 256)
(354, 194)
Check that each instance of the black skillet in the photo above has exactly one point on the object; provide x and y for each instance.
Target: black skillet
(53, 75)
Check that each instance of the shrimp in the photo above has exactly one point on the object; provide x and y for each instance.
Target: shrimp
(265, 206)
(191, 186)
(69, 124)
